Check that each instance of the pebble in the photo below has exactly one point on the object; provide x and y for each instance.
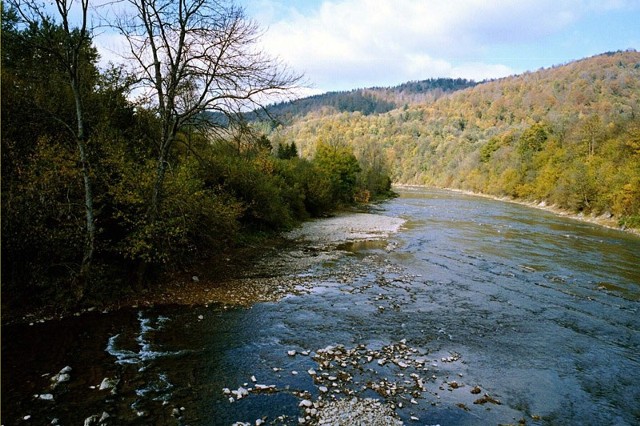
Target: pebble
(62, 377)
(357, 411)
(240, 392)
(107, 383)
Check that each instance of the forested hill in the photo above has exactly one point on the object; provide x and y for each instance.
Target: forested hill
(374, 100)
(567, 135)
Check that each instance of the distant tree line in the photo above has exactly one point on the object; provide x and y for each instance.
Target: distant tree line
(369, 101)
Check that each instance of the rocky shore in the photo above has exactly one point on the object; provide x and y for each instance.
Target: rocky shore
(269, 275)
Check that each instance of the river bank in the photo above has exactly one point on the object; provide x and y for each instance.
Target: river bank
(605, 220)
(245, 276)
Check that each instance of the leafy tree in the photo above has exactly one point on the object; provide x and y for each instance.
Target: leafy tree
(192, 57)
(287, 151)
(342, 168)
(69, 50)
(533, 139)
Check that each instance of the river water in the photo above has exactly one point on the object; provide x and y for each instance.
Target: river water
(477, 312)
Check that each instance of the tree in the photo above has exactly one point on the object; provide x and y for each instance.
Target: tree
(192, 59)
(287, 151)
(70, 48)
(590, 132)
(341, 166)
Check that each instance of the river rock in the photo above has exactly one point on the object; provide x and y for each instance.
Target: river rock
(357, 411)
(240, 392)
(92, 420)
(107, 384)
(45, 397)
(62, 377)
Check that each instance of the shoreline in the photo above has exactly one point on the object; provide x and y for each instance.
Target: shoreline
(609, 223)
(267, 273)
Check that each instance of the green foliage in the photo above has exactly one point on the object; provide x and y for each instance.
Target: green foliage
(488, 149)
(216, 189)
(342, 167)
(287, 151)
(533, 140)
(195, 221)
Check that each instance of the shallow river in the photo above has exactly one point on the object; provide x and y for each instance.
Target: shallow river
(477, 312)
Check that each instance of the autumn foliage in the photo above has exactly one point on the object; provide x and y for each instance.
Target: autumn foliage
(567, 135)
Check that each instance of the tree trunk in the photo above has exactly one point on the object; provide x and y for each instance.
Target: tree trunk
(90, 231)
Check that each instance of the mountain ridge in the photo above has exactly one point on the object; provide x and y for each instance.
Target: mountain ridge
(567, 135)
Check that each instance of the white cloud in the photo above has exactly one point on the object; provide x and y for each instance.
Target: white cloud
(344, 44)
(112, 47)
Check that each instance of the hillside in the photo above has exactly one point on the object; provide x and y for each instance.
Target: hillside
(374, 100)
(567, 135)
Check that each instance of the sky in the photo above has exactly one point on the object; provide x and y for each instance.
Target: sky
(348, 44)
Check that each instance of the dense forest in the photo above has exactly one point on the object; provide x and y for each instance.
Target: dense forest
(103, 191)
(567, 136)
(372, 100)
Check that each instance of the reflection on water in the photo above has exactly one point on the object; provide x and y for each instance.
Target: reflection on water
(538, 312)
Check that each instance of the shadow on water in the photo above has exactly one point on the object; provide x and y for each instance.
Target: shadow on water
(477, 312)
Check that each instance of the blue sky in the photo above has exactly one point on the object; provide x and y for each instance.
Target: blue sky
(346, 44)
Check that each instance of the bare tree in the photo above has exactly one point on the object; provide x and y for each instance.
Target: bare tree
(192, 57)
(68, 52)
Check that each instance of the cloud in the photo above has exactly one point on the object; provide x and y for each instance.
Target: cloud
(343, 44)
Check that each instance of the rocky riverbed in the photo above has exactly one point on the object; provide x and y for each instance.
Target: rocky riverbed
(474, 312)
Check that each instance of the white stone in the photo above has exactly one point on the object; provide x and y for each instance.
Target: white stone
(107, 384)
(306, 403)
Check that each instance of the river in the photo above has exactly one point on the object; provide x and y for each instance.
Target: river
(476, 312)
